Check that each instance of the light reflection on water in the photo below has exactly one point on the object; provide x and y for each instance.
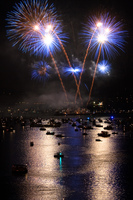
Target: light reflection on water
(89, 169)
(101, 165)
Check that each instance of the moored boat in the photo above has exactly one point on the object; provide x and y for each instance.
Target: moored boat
(114, 132)
(98, 140)
(84, 134)
(42, 129)
(59, 155)
(60, 135)
(104, 134)
(108, 127)
(50, 133)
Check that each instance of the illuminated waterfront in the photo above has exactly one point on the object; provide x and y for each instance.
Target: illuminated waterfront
(89, 169)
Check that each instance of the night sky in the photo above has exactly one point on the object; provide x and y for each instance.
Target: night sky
(15, 67)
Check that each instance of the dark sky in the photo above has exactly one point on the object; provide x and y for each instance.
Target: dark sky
(15, 67)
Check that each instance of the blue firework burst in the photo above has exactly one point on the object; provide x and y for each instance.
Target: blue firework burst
(108, 34)
(41, 71)
(28, 27)
(75, 69)
(104, 67)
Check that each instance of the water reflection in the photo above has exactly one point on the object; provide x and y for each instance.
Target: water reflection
(43, 179)
(60, 163)
(89, 169)
(104, 160)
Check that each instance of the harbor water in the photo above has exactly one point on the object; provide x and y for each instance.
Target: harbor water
(89, 170)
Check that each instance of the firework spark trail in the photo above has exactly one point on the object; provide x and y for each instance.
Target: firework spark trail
(58, 74)
(49, 38)
(78, 87)
(78, 91)
(94, 74)
(47, 41)
(108, 39)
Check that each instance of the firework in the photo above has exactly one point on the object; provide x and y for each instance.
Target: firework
(103, 35)
(94, 75)
(34, 26)
(95, 24)
(103, 67)
(29, 26)
(75, 69)
(27, 23)
(109, 35)
(41, 71)
(54, 29)
(23, 20)
(59, 75)
(89, 31)
(47, 42)
(108, 38)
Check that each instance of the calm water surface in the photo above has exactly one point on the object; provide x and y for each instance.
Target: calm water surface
(89, 170)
